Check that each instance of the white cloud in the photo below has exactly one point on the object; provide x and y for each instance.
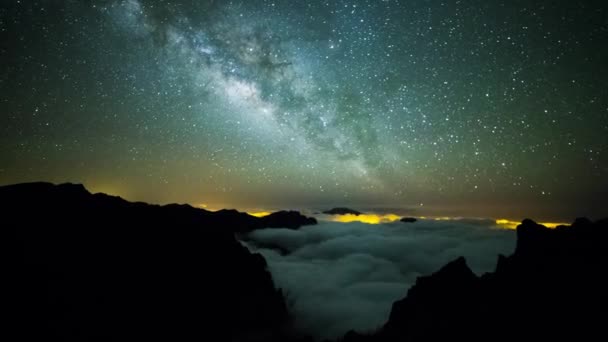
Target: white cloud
(342, 276)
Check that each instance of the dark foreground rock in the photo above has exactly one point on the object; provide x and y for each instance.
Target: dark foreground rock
(554, 287)
(342, 211)
(84, 267)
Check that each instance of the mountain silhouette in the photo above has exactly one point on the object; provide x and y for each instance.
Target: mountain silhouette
(93, 267)
(342, 211)
(553, 287)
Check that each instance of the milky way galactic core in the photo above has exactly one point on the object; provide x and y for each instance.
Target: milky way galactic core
(486, 108)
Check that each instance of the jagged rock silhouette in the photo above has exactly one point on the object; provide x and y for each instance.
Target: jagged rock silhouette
(552, 287)
(93, 267)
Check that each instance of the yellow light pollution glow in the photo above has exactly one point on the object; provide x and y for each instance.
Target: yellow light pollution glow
(260, 213)
(366, 218)
(509, 224)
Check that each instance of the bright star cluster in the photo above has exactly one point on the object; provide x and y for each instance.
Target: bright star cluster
(486, 108)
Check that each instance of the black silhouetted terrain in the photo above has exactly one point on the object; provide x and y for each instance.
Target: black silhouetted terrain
(92, 267)
(554, 287)
(84, 267)
(408, 219)
(342, 211)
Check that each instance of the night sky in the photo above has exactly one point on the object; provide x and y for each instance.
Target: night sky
(460, 108)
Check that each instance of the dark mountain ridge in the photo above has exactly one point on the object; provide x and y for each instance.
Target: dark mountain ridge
(93, 267)
(553, 287)
(342, 211)
(88, 267)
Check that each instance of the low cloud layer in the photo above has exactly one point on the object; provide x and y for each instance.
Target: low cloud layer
(343, 276)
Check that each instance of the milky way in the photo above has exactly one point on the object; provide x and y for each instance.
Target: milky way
(480, 108)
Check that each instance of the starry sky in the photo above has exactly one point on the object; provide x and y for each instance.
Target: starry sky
(466, 108)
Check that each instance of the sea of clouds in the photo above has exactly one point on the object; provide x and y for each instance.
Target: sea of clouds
(342, 276)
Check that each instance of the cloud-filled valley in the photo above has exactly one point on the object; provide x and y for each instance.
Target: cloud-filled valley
(340, 276)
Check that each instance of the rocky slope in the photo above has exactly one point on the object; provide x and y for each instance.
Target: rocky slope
(553, 287)
(92, 267)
